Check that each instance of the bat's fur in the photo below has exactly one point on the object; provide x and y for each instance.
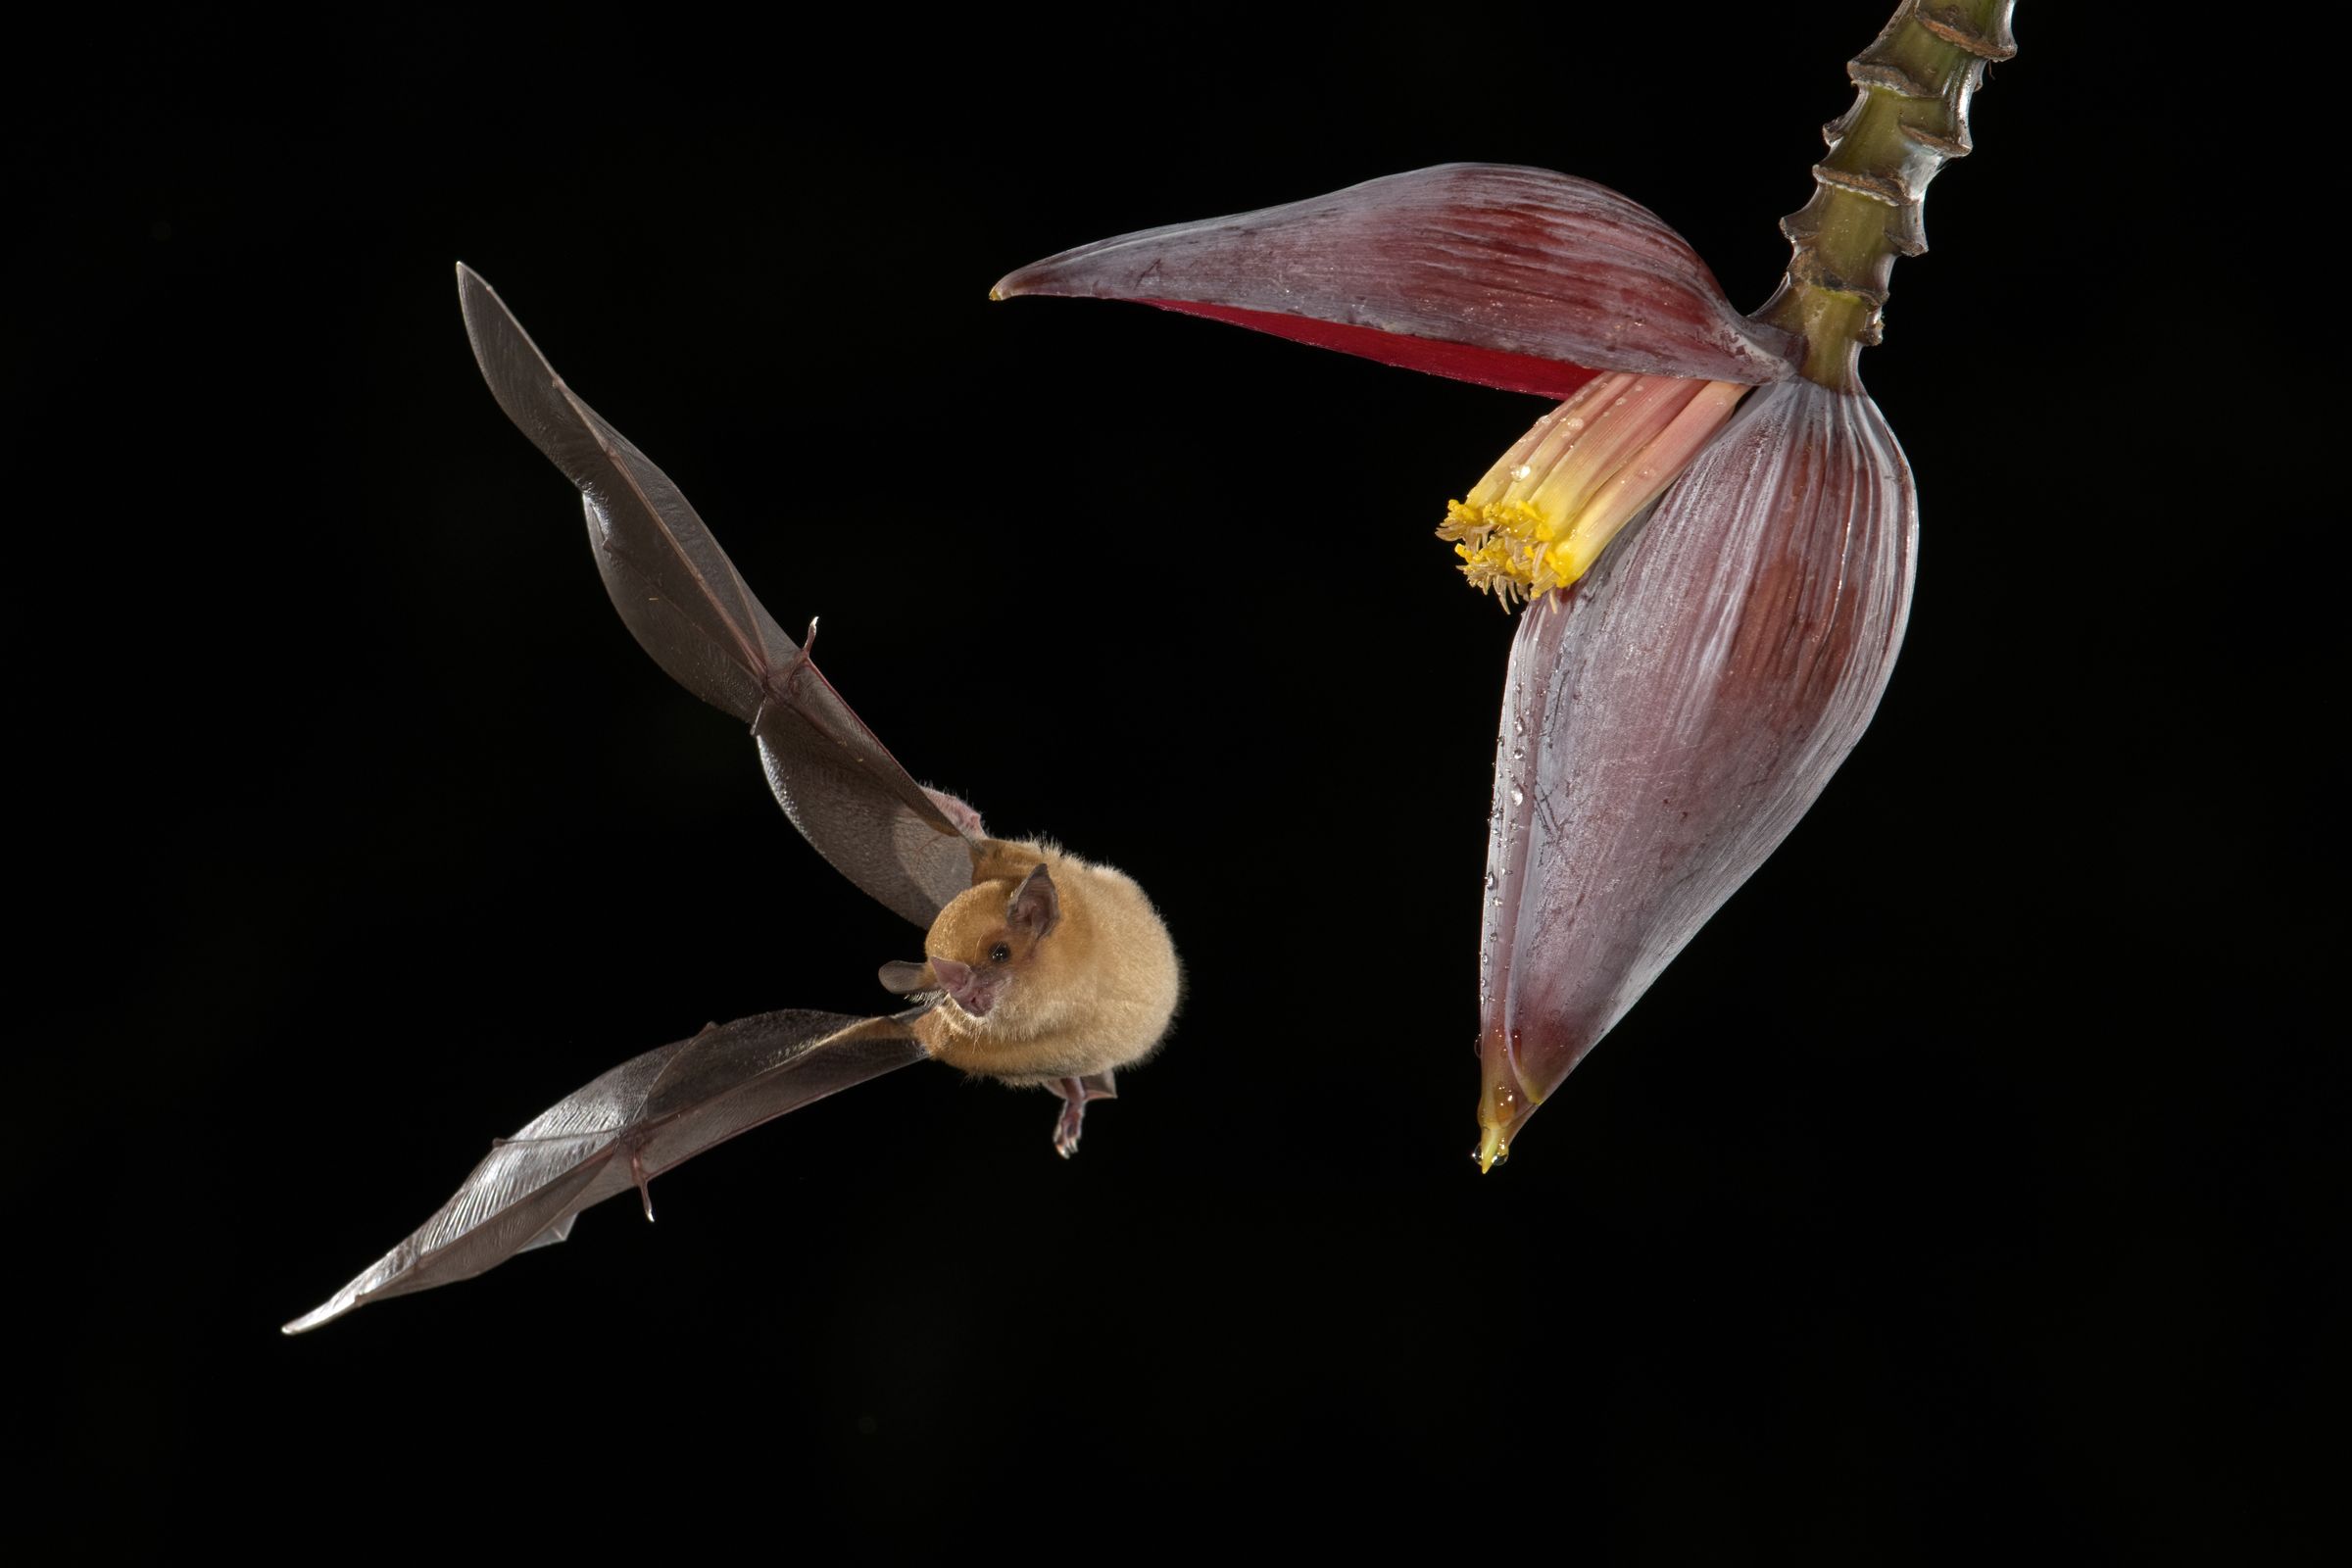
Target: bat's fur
(1096, 991)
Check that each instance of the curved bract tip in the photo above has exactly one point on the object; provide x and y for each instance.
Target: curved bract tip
(1519, 279)
(1503, 1103)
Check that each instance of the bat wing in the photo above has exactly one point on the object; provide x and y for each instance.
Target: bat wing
(682, 599)
(637, 1121)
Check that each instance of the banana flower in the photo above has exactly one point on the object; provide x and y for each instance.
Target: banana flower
(1674, 704)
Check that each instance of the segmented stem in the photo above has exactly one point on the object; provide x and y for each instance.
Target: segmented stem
(1909, 119)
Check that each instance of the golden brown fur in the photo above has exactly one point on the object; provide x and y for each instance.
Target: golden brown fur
(1096, 991)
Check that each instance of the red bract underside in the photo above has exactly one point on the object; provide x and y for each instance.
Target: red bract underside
(1517, 278)
(1512, 372)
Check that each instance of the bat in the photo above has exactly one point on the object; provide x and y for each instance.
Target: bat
(1039, 968)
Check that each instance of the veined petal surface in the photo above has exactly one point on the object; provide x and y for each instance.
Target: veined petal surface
(1513, 277)
(1669, 719)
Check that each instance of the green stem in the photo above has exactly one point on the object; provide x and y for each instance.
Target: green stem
(1908, 120)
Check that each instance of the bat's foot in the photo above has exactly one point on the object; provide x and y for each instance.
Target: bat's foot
(1076, 1093)
(1067, 1126)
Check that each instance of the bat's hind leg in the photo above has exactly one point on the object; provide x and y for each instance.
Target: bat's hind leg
(1076, 1093)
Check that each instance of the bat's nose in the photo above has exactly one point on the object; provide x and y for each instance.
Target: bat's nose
(960, 982)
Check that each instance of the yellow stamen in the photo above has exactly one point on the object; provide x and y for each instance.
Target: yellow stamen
(1551, 504)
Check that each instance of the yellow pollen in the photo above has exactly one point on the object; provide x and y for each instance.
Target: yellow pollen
(1551, 504)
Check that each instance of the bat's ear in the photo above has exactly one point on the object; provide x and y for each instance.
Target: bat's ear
(1035, 906)
(901, 979)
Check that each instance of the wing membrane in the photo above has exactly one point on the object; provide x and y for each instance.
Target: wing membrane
(683, 601)
(646, 1116)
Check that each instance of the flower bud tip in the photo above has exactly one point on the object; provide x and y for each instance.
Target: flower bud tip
(1503, 1105)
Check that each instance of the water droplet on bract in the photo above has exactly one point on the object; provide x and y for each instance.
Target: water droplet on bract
(1521, 472)
(1518, 796)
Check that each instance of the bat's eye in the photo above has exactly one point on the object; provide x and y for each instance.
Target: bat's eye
(999, 954)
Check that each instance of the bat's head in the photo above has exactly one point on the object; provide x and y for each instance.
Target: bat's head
(984, 943)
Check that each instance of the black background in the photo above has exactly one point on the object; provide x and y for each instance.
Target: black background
(1957, 1190)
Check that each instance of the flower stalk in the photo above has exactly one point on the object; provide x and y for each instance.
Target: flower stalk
(1909, 119)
